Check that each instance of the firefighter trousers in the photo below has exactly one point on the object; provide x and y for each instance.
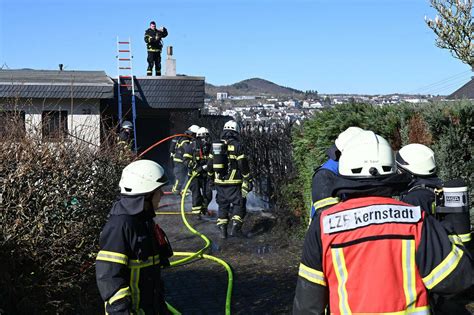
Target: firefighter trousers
(230, 196)
(180, 174)
(201, 192)
(154, 59)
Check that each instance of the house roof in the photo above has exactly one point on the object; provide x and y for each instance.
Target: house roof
(26, 83)
(177, 92)
(465, 91)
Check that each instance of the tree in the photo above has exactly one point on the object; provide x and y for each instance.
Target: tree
(454, 28)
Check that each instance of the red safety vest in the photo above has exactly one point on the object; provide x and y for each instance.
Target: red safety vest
(368, 250)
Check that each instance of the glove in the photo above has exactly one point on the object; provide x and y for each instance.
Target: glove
(190, 165)
(198, 169)
(247, 187)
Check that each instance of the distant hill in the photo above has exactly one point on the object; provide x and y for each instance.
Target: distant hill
(253, 86)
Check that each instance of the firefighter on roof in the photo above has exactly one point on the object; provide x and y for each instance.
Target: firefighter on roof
(154, 45)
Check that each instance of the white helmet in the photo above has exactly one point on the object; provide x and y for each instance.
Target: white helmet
(344, 137)
(202, 132)
(127, 125)
(368, 155)
(232, 125)
(193, 128)
(417, 159)
(142, 177)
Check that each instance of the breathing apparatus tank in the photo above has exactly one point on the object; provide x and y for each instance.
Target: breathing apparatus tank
(220, 159)
(452, 206)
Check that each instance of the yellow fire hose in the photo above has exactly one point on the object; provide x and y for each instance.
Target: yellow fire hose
(199, 254)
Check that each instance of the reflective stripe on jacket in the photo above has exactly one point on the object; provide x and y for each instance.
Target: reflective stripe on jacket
(369, 256)
(180, 149)
(196, 156)
(128, 265)
(153, 39)
(377, 255)
(238, 168)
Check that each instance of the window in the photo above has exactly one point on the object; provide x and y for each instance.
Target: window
(54, 125)
(12, 124)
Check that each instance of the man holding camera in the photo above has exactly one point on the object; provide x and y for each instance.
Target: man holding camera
(154, 44)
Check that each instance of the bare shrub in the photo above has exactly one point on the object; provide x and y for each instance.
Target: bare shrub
(268, 148)
(55, 198)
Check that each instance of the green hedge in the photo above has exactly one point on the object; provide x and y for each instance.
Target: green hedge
(446, 127)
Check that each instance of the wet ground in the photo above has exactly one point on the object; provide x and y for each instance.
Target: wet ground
(264, 265)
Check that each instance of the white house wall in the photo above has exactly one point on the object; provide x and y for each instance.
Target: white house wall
(83, 116)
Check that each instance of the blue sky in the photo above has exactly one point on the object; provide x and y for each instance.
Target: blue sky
(345, 46)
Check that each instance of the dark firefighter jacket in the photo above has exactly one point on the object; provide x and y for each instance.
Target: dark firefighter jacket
(180, 149)
(421, 192)
(125, 140)
(196, 156)
(153, 39)
(237, 168)
(128, 263)
(361, 257)
(322, 182)
(322, 186)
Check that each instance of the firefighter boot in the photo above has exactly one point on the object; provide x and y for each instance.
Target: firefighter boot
(236, 229)
(203, 213)
(223, 231)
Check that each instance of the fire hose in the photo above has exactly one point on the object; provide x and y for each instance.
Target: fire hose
(189, 256)
(193, 256)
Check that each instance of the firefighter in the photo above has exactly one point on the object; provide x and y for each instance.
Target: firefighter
(125, 141)
(129, 260)
(321, 188)
(125, 136)
(371, 253)
(196, 157)
(177, 153)
(229, 167)
(154, 44)
(418, 161)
